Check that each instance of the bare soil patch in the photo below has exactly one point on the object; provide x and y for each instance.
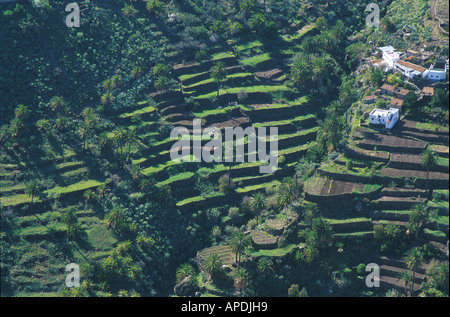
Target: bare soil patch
(393, 172)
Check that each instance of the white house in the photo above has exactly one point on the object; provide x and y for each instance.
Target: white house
(386, 118)
(410, 70)
(390, 57)
(437, 73)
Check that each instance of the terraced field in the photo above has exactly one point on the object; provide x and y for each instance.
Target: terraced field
(377, 162)
(296, 126)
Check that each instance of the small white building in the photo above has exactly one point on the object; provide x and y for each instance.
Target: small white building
(386, 118)
(390, 57)
(437, 73)
(410, 70)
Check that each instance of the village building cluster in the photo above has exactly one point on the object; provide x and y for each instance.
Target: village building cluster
(393, 61)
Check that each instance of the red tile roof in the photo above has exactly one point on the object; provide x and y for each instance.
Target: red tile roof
(412, 66)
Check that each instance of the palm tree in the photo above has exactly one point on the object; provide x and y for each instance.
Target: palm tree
(70, 219)
(161, 83)
(183, 271)
(241, 278)
(218, 73)
(392, 231)
(321, 68)
(418, 217)
(414, 260)
(322, 232)
(162, 70)
(301, 71)
(84, 131)
(238, 241)
(107, 98)
(156, 7)
(144, 241)
(257, 22)
(310, 212)
(22, 112)
(213, 265)
(164, 193)
(303, 293)
(56, 103)
(43, 125)
(376, 76)
(106, 84)
(89, 195)
(289, 191)
(105, 141)
(131, 138)
(258, 204)
(428, 160)
(129, 11)
(89, 116)
(331, 131)
(115, 218)
(33, 189)
(405, 278)
(120, 136)
(264, 265)
(123, 247)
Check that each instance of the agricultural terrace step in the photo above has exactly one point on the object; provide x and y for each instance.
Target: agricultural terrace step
(179, 116)
(167, 95)
(250, 190)
(394, 271)
(180, 108)
(399, 203)
(441, 150)
(269, 74)
(427, 137)
(409, 125)
(388, 175)
(293, 154)
(240, 121)
(391, 143)
(287, 125)
(211, 86)
(214, 116)
(363, 154)
(305, 136)
(395, 215)
(393, 172)
(182, 193)
(170, 102)
(195, 203)
(190, 80)
(263, 240)
(178, 181)
(264, 178)
(403, 192)
(226, 255)
(399, 262)
(199, 202)
(11, 188)
(352, 226)
(413, 162)
(389, 282)
(260, 113)
(231, 95)
(194, 68)
(393, 222)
